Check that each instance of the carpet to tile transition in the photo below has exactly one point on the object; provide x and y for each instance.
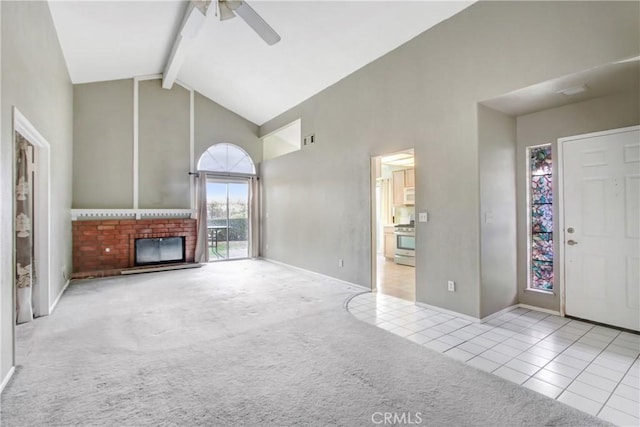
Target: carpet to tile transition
(244, 343)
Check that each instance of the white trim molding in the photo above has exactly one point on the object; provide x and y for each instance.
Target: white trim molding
(192, 148)
(449, 312)
(77, 214)
(42, 215)
(540, 309)
(136, 142)
(7, 378)
(315, 273)
(55, 303)
(489, 317)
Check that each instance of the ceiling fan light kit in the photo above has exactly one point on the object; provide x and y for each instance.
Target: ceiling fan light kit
(202, 5)
(230, 8)
(226, 11)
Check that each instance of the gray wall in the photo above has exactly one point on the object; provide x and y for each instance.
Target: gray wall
(497, 169)
(546, 127)
(103, 145)
(424, 95)
(163, 146)
(34, 79)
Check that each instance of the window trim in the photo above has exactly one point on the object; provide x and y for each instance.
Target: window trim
(221, 172)
(529, 287)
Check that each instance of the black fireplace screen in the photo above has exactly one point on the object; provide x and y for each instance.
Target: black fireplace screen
(160, 250)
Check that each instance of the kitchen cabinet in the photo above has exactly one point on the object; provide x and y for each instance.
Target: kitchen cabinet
(398, 188)
(410, 178)
(389, 242)
(401, 180)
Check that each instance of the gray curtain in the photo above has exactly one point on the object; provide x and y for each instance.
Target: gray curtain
(202, 240)
(254, 218)
(24, 234)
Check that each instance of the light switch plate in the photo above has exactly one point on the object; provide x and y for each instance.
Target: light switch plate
(423, 217)
(488, 217)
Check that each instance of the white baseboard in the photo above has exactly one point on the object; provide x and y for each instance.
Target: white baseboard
(315, 273)
(486, 318)
(53, 306)
(543, 310)
(6, 379)
(449, 312)
(424, 305)
(499, 313)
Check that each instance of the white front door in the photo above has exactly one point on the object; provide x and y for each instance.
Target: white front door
(601, 187)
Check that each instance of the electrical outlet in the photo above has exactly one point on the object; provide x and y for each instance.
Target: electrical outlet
(423, 217)
(340, 263)
(451, 286)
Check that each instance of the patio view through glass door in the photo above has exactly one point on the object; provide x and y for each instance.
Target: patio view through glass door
(228, 219)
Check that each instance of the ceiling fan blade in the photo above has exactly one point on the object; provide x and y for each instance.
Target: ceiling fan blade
(258, 24)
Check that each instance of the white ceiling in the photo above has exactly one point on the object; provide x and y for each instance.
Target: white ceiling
(322, 42)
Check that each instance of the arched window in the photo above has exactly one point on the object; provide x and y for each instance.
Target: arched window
(227, 158)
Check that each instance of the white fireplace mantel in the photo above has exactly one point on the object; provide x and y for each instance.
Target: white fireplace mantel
(93, 214)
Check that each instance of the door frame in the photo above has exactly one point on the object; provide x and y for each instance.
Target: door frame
(560, 175)
(373, 217)
(373, 221)
(235, 179)
(42, 211)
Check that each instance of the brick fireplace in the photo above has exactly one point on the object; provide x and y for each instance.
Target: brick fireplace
(107, 247)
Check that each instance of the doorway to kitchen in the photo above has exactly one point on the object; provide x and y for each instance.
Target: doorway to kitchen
(393, 224)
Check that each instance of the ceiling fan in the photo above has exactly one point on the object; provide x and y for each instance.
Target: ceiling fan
(230, 8)
(192, 23)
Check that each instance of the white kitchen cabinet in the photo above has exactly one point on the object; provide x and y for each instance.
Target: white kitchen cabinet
(398, 188)
(389, 242)
(410, 178)
(402, 179)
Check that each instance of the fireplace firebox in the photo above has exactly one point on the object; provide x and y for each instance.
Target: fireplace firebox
(159, 250)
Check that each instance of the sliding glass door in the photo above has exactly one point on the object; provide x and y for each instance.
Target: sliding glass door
(228, 219)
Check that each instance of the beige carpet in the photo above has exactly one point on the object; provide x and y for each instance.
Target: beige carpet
(244, 343)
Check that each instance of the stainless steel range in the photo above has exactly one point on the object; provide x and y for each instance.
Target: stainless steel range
(405, 244)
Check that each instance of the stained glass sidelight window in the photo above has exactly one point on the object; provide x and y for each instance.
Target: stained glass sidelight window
(541, 218)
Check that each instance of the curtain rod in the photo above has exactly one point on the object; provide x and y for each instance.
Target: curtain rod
(227, 175)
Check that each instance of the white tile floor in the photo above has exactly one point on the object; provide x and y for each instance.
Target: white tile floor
(592, 368)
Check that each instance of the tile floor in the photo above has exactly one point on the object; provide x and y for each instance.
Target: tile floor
(592, 368)
(396, 280)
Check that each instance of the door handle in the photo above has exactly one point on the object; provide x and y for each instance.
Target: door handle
(571, 242)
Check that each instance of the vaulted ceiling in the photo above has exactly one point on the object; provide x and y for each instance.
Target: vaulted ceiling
(322, 42)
